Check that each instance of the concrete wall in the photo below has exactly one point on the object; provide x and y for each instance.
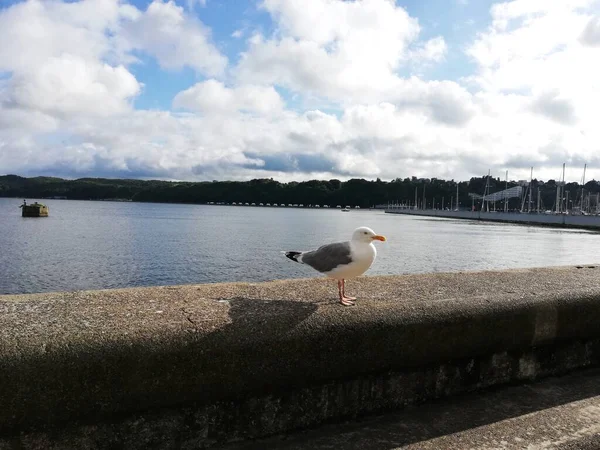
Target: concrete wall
(591, 222)
(195, 366)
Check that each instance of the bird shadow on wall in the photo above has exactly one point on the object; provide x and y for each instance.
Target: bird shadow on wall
(264, 341)
(250, 317)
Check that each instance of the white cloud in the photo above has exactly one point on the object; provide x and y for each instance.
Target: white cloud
(591, 33)
(537, 38)
(538, 80)
(66, 92)
(433, 50)
(53, 55)
(67, 59)
(350, 55)
(66, 63)
(173, 37)
(552, 106)
(192, 3)
(34, 30)
(69, 85)
(504, 13)
(331, 48)
(108, 30)
(213, 97)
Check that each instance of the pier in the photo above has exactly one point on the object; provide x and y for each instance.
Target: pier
(591, 222)
(204, 366)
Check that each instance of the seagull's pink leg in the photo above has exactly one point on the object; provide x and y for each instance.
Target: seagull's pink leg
(343, 299)
(344, 291)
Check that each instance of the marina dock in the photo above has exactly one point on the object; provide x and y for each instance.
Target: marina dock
(557, 220)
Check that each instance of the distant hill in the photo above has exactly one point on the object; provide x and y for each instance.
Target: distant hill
(355, 192)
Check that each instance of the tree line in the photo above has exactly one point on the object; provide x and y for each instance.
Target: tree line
(355, 192)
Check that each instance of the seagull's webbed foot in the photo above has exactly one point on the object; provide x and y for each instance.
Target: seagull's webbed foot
(344, 291)
(346, 301)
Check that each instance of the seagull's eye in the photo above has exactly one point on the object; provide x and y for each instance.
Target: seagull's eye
(364, 232)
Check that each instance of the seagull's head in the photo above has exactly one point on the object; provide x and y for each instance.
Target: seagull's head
(365, 234)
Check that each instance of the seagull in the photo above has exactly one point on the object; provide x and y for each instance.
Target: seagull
(342, 260)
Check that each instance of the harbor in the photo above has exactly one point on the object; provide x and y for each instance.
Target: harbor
(517, 204)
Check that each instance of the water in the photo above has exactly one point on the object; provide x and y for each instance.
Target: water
(102, 245)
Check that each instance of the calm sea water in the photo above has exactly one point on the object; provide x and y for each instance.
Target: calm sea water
(100, 245)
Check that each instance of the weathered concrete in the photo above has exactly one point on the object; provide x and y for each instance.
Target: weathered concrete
(196, 365)
(557, 413)
(34, 210)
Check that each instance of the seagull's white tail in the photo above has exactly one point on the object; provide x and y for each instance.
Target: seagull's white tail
(294, 256)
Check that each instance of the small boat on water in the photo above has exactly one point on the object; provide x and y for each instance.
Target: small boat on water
(346, 209)
(33, 210)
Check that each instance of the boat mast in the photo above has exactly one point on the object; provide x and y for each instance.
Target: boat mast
(505, 193)
(457, 195)
(524, 198)
(416, 200)
(562, 191)
(582, 185)
(530, 185)
(557, 202)
(486, 191)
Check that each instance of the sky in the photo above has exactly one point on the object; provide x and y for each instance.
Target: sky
(294, 89)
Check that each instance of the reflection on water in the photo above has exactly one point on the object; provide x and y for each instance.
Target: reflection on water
(100, 245)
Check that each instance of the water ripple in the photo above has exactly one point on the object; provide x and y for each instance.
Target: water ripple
(102, 245)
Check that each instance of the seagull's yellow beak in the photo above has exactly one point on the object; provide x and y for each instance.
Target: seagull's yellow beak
(377, 237)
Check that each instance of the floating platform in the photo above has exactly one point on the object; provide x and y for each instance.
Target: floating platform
(33, 210)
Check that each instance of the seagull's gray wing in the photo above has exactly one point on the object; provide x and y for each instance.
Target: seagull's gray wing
(328, 257)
